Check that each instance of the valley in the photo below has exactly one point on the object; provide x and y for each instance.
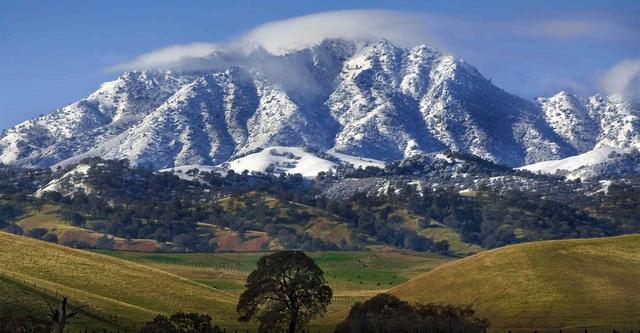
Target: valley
(348, 171)
(552, 284)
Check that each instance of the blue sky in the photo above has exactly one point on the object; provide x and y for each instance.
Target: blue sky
(53, 53)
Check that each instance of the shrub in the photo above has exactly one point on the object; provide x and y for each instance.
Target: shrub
(181, 323)
(386, 313)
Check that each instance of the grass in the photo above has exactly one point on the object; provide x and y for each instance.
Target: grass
(353, 276)
(109, 285)
(345, 271)
(135, 286)
(438, 232)
(554, 284)
(551, 284)
(25, 299)
(48, 217)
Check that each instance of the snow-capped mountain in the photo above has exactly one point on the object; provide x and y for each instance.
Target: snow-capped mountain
(371, 100)
(593, 122)
(570, 118)
(76, 128)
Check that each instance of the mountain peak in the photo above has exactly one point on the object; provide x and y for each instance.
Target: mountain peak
(370, 99)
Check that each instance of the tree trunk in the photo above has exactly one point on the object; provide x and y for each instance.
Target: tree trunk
(293, 323)
(61, 321)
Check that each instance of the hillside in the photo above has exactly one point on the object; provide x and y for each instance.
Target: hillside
(124, 289)
(353, 275)
(550, 284)
(47, 219)
(602, 163)
(415, 204)
(110, 286)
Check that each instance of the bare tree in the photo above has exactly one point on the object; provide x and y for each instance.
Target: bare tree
(61, 315)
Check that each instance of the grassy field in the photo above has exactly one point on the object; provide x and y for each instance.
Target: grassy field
(134, 286)
(346, 272)
(353, 276)
(110, 286)
(25, 299)
(567, 283)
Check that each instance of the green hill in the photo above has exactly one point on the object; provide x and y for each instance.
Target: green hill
(550, 284)
(110, 286)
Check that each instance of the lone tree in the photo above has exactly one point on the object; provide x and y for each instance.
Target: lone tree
(286, 290)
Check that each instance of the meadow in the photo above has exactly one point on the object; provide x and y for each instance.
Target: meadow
(543, 286)
(110, 286)
(577, 283)
(135, 286)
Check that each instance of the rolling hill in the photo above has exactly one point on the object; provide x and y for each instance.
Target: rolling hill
(541, 285)
(124, 289)
(110, 286)
(551, 284)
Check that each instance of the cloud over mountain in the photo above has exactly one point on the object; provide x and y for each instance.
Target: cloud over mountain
(623, 79)
(401, 28)
(281, 37)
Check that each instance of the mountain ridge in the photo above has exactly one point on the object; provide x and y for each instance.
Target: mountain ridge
(374, 100)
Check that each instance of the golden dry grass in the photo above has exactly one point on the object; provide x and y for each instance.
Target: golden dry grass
(439, 232)
(566, 283)
(47, 217)
(110, 285)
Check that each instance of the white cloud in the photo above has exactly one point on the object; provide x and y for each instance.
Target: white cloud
(280, 37)
(401, 28)
(462, 35)
(168, 57)
(623, 79)
(527, 55)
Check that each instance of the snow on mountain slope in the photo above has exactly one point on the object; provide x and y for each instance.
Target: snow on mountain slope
(78, 127)
(357, 162)
(619, 121)
(571, 163)
(279, 160)
(372, 100)
(388, 98)
(598, 163)
(68, 183)
(593, 122)
(570, 118)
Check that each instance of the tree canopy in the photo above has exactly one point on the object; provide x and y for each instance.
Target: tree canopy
(181, 323)
(286, 290)
(386, 313)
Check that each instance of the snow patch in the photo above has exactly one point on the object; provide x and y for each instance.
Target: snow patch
(74, 177)
(357, 162)
(573, 163)
(278, 160)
